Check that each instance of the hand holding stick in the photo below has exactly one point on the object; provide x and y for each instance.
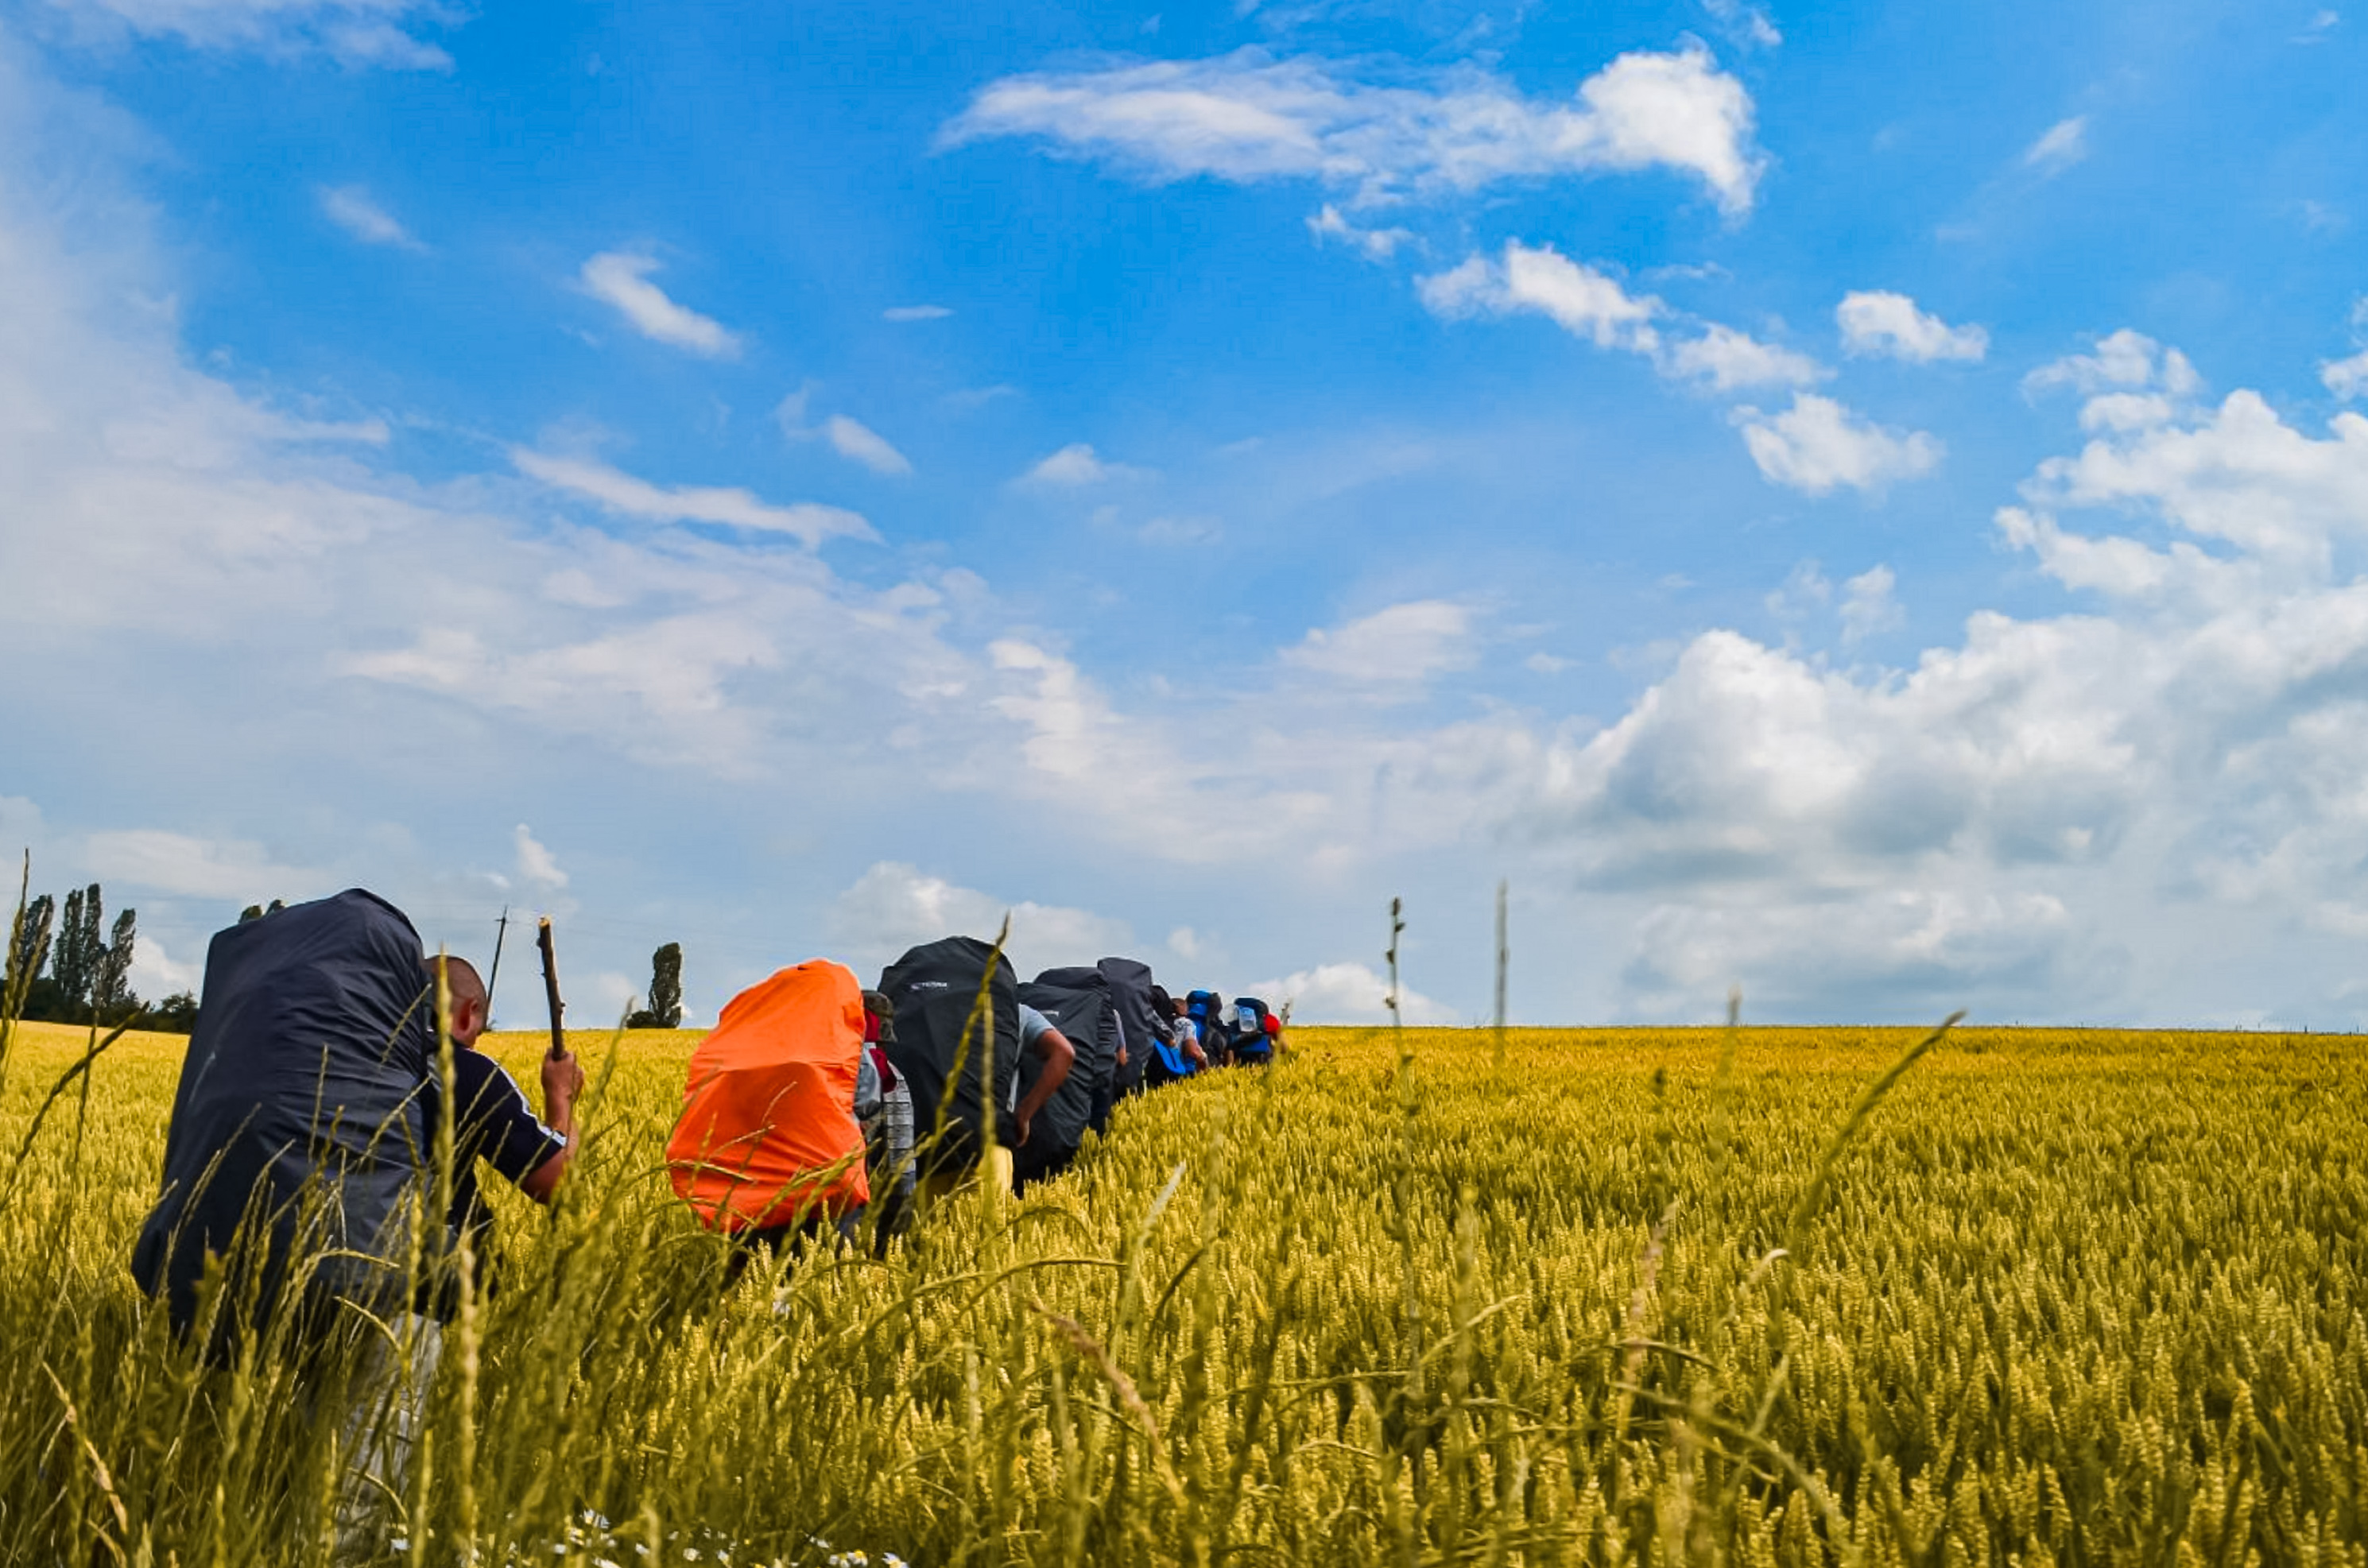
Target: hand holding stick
(551, 987)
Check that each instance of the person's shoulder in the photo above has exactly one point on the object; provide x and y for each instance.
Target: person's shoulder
(477, 1076)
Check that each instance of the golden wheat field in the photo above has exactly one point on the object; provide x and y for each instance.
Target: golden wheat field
(1572, 1296)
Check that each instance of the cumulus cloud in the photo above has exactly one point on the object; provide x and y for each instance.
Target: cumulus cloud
(1401, 646)
(354, 32)
(1345, 993)
(1817, 445)
(2347, 378)
(1540, 280)
(894, 906)
(156, 975)
(1878, 323)
(621, 279)
(806, 521)
(1726, 360)
(1247, 117)
(353, 209)
(2059, 147)
(859, 443)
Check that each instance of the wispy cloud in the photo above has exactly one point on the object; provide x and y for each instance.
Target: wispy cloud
(621, 279)
(2063, 145)
(382, 33)
(859, 443)
(915, 312)
(1889, 325)
(1247, 117)
(1379, 245)
(1595, 306)
(621, 493)
(1076, 464)
(352, 208)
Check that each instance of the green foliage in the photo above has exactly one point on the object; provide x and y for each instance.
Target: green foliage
(2063, 1298)
(75, 963)
(89, 976)
(111, 984)
(28, 950)
(664, 1009)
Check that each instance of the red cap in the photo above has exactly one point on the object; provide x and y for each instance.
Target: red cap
(1274, 1023)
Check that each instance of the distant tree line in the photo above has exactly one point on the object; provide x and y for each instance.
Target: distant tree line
(61, 969)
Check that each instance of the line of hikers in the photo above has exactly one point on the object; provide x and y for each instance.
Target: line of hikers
(302, 1151)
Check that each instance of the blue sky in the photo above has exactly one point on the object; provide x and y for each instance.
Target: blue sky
(1861, 504)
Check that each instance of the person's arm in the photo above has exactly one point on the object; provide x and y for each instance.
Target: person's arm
(1057, 1054)
(562, 1080)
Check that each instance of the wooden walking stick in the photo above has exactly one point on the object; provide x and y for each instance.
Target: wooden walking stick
(551, 987)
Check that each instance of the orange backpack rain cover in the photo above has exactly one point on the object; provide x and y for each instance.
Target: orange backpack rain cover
(768, 1134)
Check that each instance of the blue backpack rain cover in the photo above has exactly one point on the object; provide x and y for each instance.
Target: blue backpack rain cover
(301, 1096)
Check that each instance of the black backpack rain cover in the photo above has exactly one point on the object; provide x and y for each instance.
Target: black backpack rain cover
(934, 988)
(1139, 1022)
(1077, 1001)
(302, 1085)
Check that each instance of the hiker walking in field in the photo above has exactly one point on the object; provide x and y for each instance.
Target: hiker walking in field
(303, 1132)
(969, 1111)
(768, 1146)
(884, 1106)
(1177, 1054)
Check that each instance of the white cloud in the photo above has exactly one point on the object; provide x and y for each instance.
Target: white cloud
(2063, 145)
(621, 493)
(1817, 445)
(894, 906)
(1726, 360)
(1379, 245)
(1345, 993)
(1185, 943)
(915, 313)
(1076, 464)
(1878, 323)
(1401, 646)
(861, 444)
(353, 209)
(2347, 378)
(2236, 474)
(1597, 308)
(2125, 362)
(355, 32)
(1247, 117)
(1584, 303)
(537, 866)
(155, 975)
(1868, 607)
(1748, 23)
(203, 868)
(621, 279)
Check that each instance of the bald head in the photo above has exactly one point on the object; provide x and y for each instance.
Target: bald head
(468, 989)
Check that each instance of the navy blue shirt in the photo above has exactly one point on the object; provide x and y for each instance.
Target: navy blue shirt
(497, 1126)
